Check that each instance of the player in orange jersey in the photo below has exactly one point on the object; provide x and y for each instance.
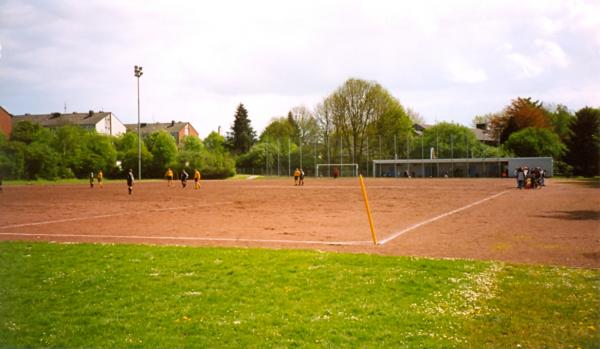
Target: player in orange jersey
(169, 176)
(296, 176)
(197, 179)
(100, 179)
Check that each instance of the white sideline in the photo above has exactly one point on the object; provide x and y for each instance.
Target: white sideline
(415, 226)
(190, 238)
(108, 215)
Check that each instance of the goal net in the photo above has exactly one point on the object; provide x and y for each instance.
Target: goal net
(343, 170)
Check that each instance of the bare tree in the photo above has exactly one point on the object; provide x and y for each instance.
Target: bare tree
(308, 128)
(414, 116)
(354, 107)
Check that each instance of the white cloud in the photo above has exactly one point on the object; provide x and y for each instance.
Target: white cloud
(526, 67)
(461, 72)
(545, 55)
(551, 54)
(202, 58)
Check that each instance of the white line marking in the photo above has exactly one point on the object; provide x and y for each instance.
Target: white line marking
(415, 226)
(110, 215)
(190, 238)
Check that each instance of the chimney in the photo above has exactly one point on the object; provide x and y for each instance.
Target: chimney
(172, 123)
(90, 113)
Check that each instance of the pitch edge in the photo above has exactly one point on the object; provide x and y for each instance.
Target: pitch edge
(415, 226)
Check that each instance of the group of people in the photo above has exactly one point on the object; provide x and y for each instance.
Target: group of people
(131, 179)
(299, 176)
(99, 177)
(530, 178)
(183, 177)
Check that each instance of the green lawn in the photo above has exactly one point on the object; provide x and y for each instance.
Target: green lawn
(121, 296)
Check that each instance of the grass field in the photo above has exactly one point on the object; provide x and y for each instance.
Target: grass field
(125, 296)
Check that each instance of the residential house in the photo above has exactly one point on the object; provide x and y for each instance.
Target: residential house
(484, 134)
(178, 129)
(5, 122)
(103, 122)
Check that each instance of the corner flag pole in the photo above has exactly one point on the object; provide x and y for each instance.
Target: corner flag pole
(364, 191)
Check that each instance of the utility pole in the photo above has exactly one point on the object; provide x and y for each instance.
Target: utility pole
(137, 71)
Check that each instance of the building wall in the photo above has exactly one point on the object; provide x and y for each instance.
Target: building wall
(5, 122)
(187, 130)
(118, 128)
(472, 167)
(545, 163)
(111, 126)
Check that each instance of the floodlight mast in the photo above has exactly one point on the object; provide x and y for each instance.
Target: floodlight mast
(137, 71)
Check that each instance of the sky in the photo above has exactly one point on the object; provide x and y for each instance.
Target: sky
(446, 60)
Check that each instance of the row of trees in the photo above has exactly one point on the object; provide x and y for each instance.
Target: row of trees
(34, 152)
(358, 122)
(361, 121)
(528, 128)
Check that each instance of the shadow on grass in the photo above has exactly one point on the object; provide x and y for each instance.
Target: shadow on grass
(580, 215)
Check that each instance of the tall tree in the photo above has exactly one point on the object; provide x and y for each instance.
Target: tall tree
(532, 141)
(215, 143)
(357, 105)
(99, 154)
(561, 120)
(306, 124)
(242, 136)
(280, 129)
(450, 140)
(584, 145)
(415, 117)
(164, 150)
(292, 121)
(520, 114)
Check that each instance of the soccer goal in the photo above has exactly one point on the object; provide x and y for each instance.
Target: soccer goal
(343, 170)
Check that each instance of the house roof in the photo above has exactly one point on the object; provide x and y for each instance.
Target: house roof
(148, 128)
(58, 119)
(482, 135)
(6, 111)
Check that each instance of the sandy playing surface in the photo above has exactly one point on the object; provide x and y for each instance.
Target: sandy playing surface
(450, 218)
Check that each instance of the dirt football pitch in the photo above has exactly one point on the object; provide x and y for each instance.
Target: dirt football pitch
(450, 218)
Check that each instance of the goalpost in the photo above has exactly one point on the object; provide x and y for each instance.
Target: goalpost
(344, 170)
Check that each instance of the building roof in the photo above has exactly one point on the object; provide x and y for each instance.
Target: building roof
(58, 119)
(6, 111)
(482, 135)
(148, 128)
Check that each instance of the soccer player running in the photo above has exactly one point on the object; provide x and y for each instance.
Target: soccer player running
(301, 177)
(130, 180)
(91, 179)
(183, 177)
(169, 176)
(197, 179)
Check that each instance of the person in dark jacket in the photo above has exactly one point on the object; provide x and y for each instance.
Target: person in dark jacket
(130, 180)
(183, 177)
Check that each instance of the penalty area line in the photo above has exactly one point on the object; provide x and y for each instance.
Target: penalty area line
(415, 226)
(191, 238)
(110, 215)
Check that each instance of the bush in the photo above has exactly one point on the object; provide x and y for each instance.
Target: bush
(561, 168)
